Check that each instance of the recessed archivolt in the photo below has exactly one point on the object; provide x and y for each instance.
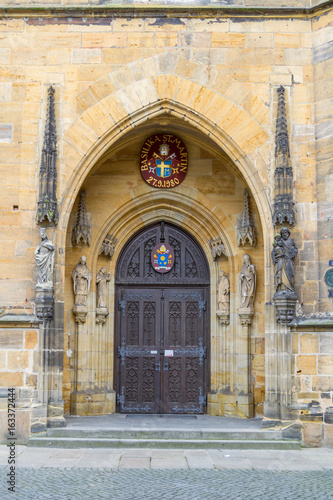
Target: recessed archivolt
(199, 217)
(86, 162)
(222, 109)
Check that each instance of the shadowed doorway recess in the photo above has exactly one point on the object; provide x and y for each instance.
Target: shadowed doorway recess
(162, 326)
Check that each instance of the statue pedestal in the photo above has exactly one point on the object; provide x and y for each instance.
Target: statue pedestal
(80, 313)
(245, 314)
(101, 315)
(224, 316)
(285, 305)
(44, 302)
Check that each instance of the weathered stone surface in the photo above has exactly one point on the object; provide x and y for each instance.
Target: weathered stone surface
(313, 434)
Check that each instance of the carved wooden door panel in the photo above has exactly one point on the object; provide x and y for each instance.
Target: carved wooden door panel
(184, 351)
(162, 326)
(139, 352)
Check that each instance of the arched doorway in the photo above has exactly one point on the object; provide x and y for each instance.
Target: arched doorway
(162, 326)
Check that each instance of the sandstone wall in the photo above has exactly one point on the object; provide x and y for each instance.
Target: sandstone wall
(218, 76)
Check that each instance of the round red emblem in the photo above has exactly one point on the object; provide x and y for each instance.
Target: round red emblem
(162, 258)
(163, 161)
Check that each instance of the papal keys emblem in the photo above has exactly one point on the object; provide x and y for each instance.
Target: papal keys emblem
(162, 257)
(163, 161)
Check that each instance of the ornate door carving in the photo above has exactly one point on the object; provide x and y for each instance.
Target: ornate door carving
(162, 327)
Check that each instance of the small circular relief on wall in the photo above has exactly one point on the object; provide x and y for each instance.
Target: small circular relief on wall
(163, 161)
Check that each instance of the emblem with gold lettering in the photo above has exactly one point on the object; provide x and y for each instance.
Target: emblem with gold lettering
(163, 161)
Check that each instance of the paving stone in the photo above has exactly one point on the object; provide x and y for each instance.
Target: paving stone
(85, 483)
(105, 460)
(169, 463)
(198, 459)
(139, 452)
(134, 463)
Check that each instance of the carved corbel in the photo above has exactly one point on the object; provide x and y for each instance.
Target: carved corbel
(224, 317)
(101, 315)
(80, 313)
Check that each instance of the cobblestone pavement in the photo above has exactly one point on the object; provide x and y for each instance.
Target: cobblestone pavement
(150, 474)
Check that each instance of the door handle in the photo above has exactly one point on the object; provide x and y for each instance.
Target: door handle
(158, 366)
(165, 366)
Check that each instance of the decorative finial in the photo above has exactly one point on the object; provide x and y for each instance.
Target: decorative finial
(47, 204)
(283, 198)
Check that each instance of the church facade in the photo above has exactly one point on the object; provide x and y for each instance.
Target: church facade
(166, 212)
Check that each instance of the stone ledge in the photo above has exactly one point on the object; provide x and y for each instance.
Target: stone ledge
(23, 319)
(312, 321)
(163, 11)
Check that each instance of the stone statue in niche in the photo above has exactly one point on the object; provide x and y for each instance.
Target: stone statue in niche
(44, 257)
(102, 279)
(283, 255)
(224, 293)
(81, 277)
(247, 282)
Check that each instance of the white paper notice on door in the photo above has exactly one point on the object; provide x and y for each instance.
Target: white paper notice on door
(168, 353)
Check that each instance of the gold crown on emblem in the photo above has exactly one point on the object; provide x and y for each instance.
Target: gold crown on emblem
(164, 149)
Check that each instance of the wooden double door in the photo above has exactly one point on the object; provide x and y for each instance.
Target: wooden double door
(162, 328)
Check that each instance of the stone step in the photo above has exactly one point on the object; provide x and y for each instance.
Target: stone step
(71, 442)
(173, 434)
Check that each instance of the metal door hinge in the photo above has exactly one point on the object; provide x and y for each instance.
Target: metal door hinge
(122, 306)
(202, 307)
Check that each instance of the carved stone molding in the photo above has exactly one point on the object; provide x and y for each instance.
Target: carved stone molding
(285, 305)
(224, 317)
(284, 210)
(246, 231)
(47, 202)
(80, 313)
(82, 230)
(217, 248)
(108, 246)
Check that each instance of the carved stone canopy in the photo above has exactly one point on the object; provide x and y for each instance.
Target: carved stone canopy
(246, 231)
(217, 247)
(82, 229)
(108, 246)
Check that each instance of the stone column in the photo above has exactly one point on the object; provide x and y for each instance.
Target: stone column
(223, 353)
(80, 355)
(245, 397)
